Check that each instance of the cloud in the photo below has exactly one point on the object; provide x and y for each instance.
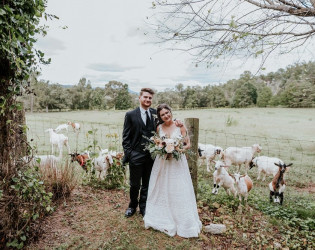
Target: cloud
(51, 45)
(104, 67)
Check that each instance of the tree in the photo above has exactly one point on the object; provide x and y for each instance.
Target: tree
(264, 96)
(210, 29)
(217, 98)
(245, 96)
(19, 25)
(117, 95)
(123, 99)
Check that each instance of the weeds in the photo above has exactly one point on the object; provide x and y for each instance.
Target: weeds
(59, 180)
(230, 121)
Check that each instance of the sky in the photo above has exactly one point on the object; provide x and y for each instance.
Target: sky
(108, 40)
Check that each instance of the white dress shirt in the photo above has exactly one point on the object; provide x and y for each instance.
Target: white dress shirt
(143, 115)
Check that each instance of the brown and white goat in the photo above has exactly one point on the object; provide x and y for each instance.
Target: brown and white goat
(76, 126)
(243, 185)
(81, 159)
(277, 186)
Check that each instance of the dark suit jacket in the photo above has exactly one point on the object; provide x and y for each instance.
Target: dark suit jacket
(132, 132)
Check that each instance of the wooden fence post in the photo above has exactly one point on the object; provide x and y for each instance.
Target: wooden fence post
(192, 125)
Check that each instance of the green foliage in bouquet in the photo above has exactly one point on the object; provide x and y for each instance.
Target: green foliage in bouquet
(164, 147)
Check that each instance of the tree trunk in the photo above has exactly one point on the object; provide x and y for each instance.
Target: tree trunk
(12, 147)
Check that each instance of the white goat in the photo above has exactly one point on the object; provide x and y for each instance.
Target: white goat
(240, 155)
(61, 127)
(58, 140)
(43, 160)
(277, 186)
(208, 152)
(243, 185)
(266, 166)
(76, 126)
(222, 178)
(103, 162)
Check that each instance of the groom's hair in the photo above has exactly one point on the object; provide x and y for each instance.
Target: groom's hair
(151, 91)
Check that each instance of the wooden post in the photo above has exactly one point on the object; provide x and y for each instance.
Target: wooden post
(192, 125)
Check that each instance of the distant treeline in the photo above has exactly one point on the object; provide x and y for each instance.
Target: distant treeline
(291, 87)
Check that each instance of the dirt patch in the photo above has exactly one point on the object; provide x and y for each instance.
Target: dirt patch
(94, 219)
(309, 188)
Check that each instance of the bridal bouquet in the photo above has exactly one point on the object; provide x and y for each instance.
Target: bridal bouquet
(165, 147)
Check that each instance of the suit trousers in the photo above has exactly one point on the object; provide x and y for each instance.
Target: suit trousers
(140, 172)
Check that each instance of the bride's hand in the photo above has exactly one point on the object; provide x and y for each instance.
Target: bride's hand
(178, 123)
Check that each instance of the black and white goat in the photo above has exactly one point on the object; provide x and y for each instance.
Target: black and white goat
(277, 186)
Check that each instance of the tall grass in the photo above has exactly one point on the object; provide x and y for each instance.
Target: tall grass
(60, 180)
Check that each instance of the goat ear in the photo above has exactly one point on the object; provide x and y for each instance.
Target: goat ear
(290, 164)
(276, 164)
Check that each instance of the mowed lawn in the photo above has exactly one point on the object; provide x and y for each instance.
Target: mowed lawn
(285, 133)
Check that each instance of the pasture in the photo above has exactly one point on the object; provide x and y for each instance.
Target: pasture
(288, 134)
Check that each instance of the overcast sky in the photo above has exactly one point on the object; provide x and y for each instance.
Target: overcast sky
(105, 41)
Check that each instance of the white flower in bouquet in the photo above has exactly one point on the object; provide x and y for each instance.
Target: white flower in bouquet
(170, 145)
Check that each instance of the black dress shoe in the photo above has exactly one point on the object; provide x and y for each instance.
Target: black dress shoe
(142, 212)
(130, 212)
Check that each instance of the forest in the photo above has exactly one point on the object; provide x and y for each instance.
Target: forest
(293, 87)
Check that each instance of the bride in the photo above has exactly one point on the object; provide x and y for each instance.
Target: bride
(171, 204)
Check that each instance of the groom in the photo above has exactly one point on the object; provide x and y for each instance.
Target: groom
(139, 123)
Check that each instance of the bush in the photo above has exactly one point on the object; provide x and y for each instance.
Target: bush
(23, 206)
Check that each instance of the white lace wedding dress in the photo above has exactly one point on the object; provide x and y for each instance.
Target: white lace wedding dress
(171, 204)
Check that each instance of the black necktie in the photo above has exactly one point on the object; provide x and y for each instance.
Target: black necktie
(148, 119)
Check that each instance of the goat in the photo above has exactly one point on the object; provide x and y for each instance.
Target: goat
(208, 152)
(76, 126)
(103, 162)
(82, 159)
(43, 160)
(265, 166)
(222, 178)
(57, 139)
(239, 155)
(117, 155)
(277, 186)
(61, 127)
(243, 185)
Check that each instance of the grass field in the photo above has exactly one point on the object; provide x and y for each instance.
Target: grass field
(285, 133)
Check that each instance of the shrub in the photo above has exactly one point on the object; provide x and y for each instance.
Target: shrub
(23, 207)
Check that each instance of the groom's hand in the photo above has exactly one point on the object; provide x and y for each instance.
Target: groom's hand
(178, 123)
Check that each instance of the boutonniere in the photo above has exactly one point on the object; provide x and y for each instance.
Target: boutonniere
(155, 118)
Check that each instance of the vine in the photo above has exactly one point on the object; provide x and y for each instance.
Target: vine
(19, 25)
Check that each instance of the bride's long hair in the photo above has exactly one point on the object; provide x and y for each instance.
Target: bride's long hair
(158, 110)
